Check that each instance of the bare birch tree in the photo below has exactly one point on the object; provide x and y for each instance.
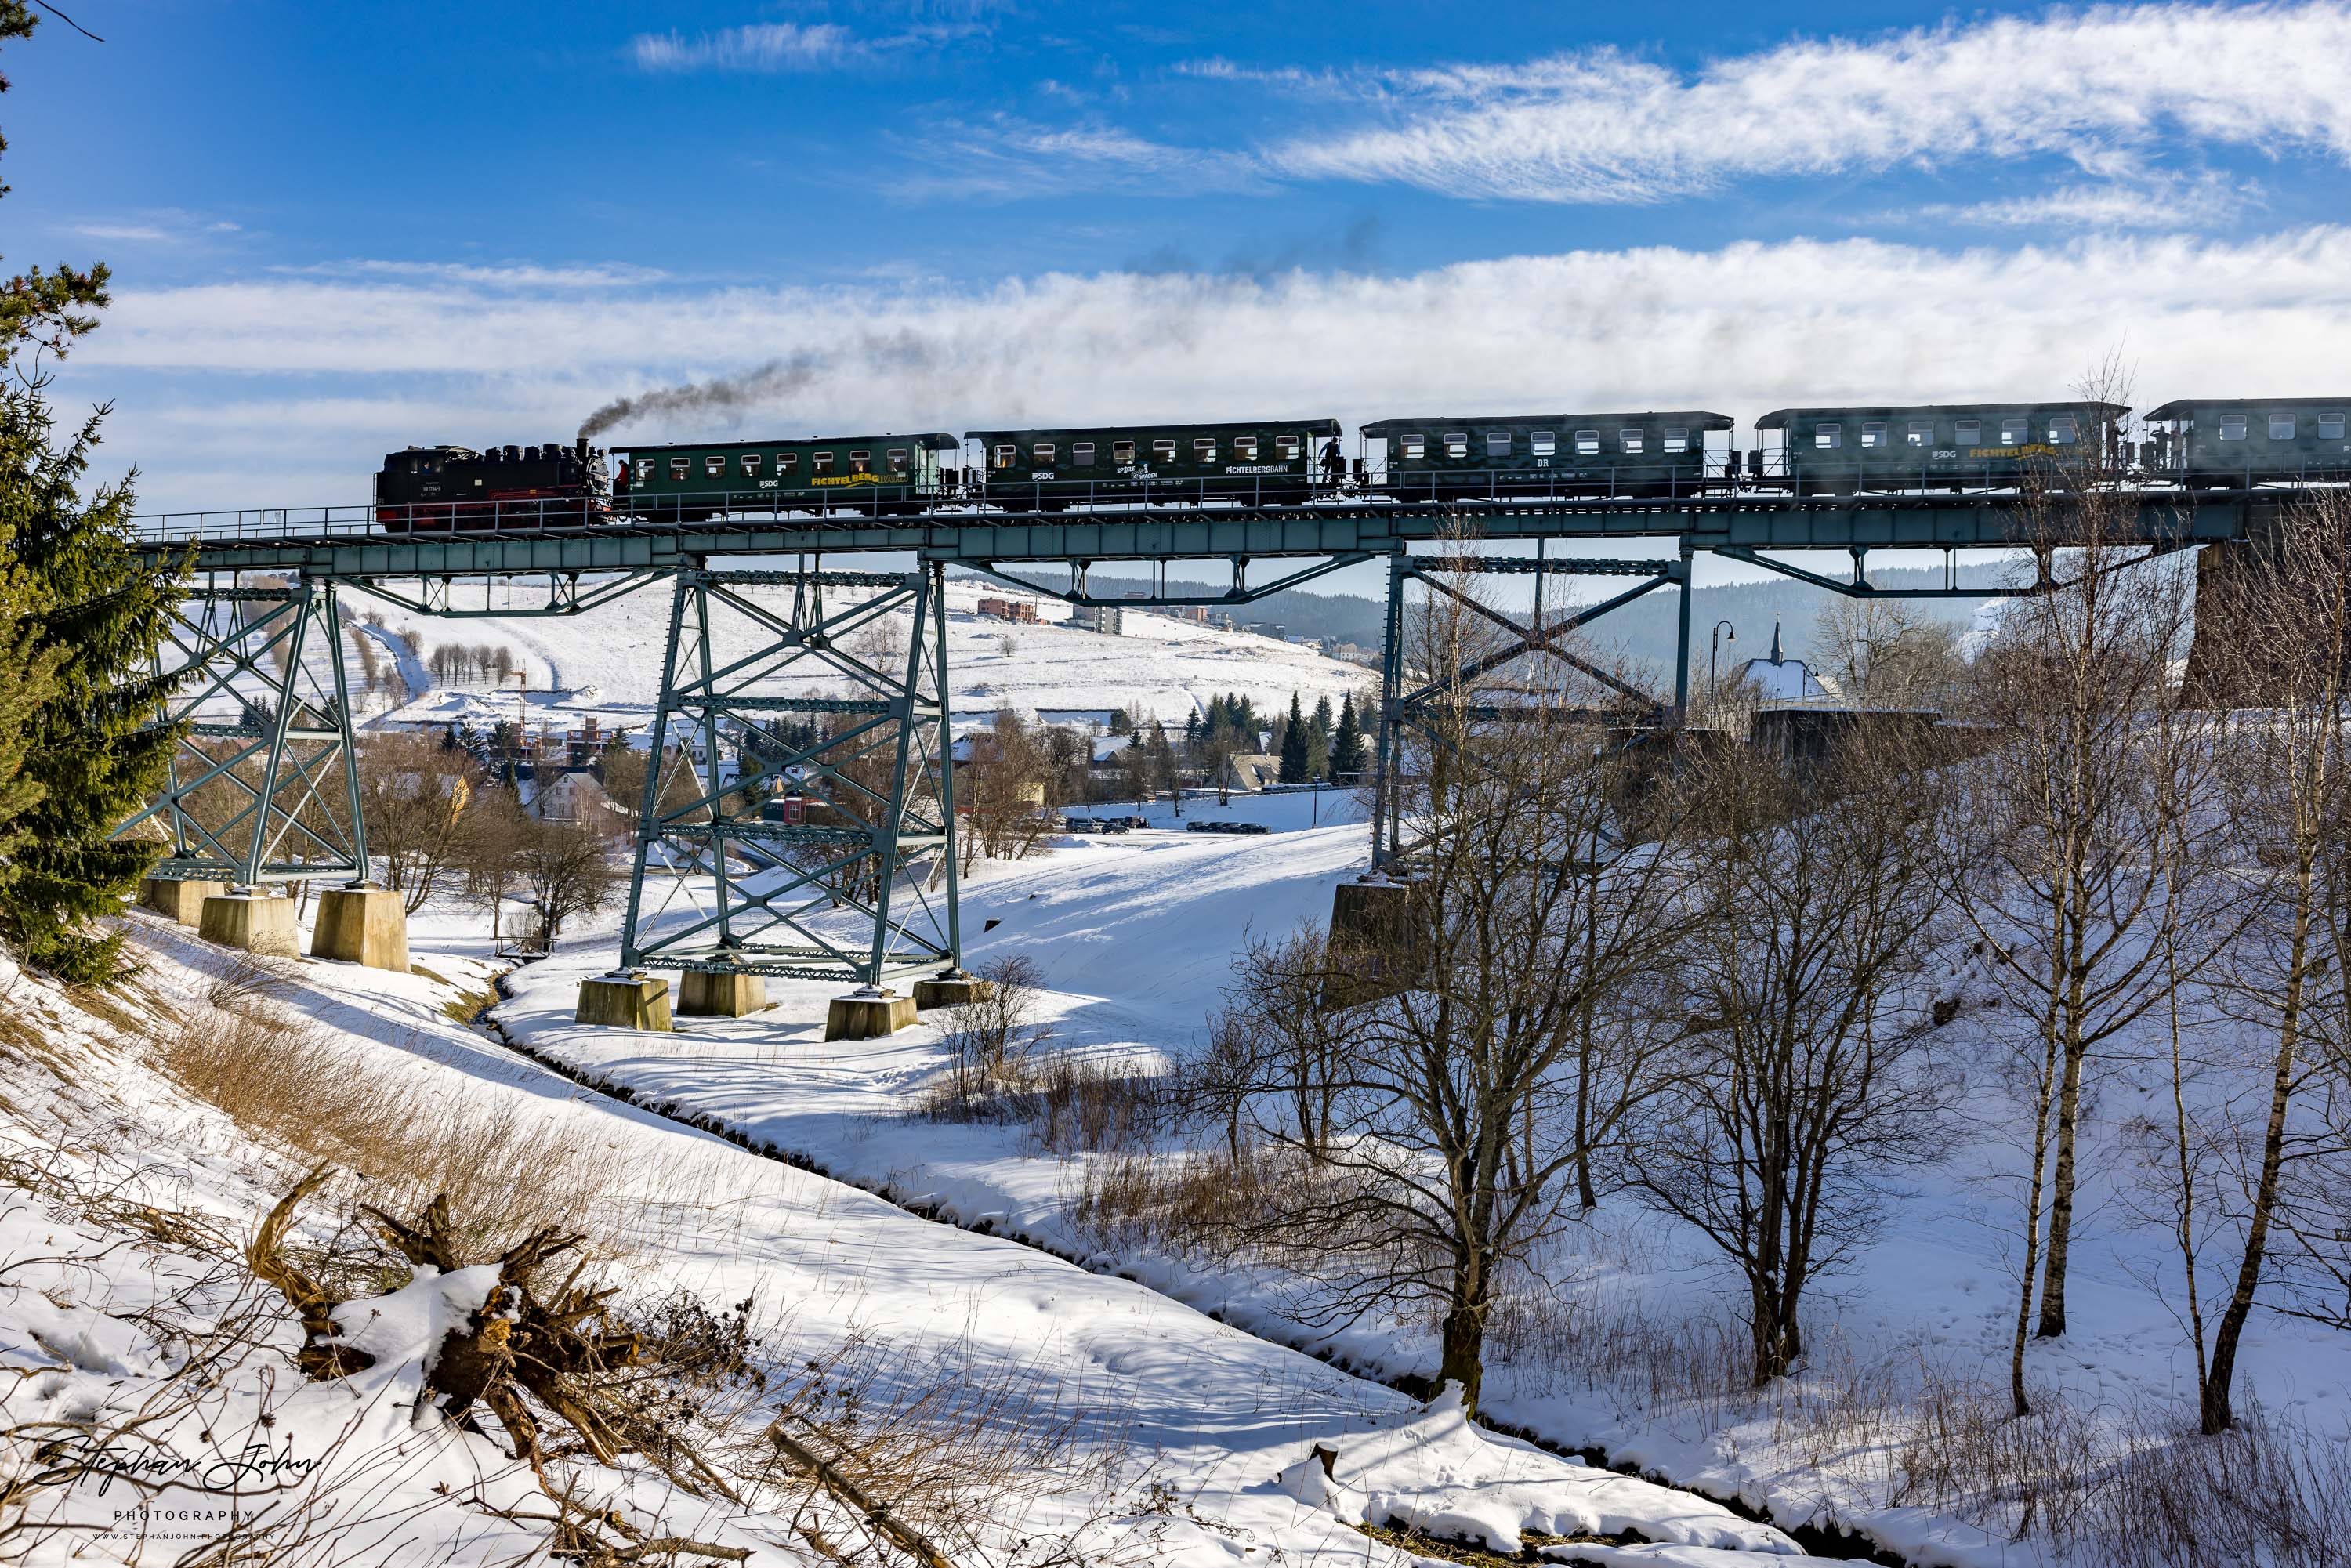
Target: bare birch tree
(2282, 612)
(2049, 838)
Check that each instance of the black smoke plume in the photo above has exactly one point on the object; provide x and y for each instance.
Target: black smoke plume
(921, 375)
(770, 383)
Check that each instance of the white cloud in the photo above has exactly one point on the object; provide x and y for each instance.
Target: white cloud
(756, 46)
(126, 233)
(1607, 126)
(156, 225)
(2150, 202)
(291, 380)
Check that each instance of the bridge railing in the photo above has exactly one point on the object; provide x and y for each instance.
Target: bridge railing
(1712, 482)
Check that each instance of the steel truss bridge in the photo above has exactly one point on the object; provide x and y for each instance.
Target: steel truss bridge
(264, 789)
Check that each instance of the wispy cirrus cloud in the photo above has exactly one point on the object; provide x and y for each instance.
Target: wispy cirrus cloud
(754, 47)
(784, 47)
(2153, 200)
(1608, 126)
(164, 226)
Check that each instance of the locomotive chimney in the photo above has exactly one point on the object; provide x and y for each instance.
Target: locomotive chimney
(580, 446)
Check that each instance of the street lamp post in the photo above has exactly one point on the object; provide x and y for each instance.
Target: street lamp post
(1713, 646)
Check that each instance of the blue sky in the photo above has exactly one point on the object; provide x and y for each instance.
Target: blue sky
(336, 229)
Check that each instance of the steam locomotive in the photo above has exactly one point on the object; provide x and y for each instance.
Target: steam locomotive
(2191, 443)
(447, 487)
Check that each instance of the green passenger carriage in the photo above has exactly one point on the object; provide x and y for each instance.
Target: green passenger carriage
(1255, 463)
(1935, 446)
(871, 475)
(1458, 457)
(2224, 442)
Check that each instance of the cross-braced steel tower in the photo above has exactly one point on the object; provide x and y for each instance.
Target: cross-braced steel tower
(798, 812)
(262, 786)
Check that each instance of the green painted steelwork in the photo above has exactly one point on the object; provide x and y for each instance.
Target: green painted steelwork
(1350, 527)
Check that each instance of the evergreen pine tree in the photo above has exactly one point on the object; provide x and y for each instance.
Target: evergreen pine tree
(1349, 754)
(1295, 753)
(84, 619)
(1317, 740)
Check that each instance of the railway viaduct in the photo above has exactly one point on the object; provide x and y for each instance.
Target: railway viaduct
(722, 897)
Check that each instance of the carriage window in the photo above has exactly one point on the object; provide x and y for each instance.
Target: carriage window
(714, 465)
(1414, 447)
(1203, 449)
(1498, 444)
(1286, 448)
(1677, 438)
(1543, 442)
(897, 460)
(1922, 432)
(2330, 427)
(787, 461)
(1828, 437)
(680, 466)
(1967, 432)
(751, 464)
(1122, 451)
(1083, 453)
(1005, 455)
(2015, 431)
(2232, 427)
(1457, 444)
(1630, 440)
(1872, 435)
(2060, 433)
(1041, 453)
(1587, 443)
(1165, 451)
(860, 462)
(821, 462)
(1245, 448)
(2280, 427)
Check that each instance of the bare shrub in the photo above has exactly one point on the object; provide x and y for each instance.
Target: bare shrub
(999, 1022)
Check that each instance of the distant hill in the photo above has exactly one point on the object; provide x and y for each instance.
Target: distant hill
(1642, 633)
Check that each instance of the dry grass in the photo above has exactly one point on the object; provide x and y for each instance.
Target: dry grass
(505, 1170)
(1066, 1105)
(2125, 1483)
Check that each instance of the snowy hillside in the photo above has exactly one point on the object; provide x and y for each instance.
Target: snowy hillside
(1007, 1407)
(607, 661)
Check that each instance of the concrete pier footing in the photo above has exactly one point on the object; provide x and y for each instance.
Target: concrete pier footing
(257, 922)
(180, 901)
(625, 1000)
(868, 1015)
(951, 989)
(366, 925)
(720, 996)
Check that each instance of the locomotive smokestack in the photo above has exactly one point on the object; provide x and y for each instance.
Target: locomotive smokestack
(580, 446)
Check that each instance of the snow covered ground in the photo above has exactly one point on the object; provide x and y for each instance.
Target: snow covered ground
(1134, 937)
(607, 661)
(1160, 1435)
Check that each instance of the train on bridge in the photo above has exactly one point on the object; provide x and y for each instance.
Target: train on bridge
(1925, 449)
